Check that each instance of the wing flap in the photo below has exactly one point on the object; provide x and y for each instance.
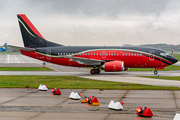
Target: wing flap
(85, 60)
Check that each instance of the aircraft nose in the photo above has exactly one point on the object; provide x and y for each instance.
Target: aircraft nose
(172, 59)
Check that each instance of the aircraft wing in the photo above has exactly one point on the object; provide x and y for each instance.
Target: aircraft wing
(21, 48)
(86, 61)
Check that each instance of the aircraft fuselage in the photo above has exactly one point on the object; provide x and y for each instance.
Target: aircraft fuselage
(133, 57)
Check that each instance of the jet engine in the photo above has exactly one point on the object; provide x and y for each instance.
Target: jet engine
(113, 66)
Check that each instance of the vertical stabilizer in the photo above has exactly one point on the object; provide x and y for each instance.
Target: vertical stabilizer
(31, 36)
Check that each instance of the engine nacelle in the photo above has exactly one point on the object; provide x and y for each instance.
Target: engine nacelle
(113, 66)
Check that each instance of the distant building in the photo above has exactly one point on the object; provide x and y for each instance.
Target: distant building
(164, 46)
(127, 45)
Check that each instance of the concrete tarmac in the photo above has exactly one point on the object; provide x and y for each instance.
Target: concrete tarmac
(16, 58)
(31, 104)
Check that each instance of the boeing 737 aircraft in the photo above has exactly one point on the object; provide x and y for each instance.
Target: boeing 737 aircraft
(108, 58)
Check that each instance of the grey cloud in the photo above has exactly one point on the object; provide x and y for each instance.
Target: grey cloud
(107, 8)
(113, 7)
(98, 22)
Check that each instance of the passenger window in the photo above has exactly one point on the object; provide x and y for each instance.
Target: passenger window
(140, 54)
(94, 53)
(129, 54)
(97, 53)
(123, 54)
(132, 54)
(114, 54)
(86, 54)
(109, 54)
(91, 53)
(126, 54)
(117, 54)
(100, 53)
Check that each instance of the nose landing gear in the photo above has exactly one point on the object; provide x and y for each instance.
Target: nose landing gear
(155, 72)
(95, 71)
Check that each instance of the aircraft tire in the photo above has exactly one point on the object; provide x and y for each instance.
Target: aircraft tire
(93, 71)
(155, 72)
(98, 71)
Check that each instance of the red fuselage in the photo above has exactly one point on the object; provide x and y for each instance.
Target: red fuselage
(131, 59)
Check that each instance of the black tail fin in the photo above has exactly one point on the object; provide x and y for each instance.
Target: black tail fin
(31, 37)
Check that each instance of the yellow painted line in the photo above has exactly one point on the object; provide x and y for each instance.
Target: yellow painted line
(25, 27)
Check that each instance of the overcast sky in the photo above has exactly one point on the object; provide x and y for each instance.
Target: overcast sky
(94, 22)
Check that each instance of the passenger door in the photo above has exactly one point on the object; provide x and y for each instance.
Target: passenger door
(151, 55)
(104, 54)
(48, 54)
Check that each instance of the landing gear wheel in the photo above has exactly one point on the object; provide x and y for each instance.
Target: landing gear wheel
(93, 71)
(155, 72)
(97, 71)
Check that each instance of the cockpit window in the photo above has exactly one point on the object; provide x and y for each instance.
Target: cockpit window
(164, 54)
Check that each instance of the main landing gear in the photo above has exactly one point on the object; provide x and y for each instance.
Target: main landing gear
(155, 72)
(95, 71)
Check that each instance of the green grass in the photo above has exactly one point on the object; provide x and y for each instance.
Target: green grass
(25, 69)
(72, 82)
(9, 52)
(177, 56)
(163, 77)
(171, 67)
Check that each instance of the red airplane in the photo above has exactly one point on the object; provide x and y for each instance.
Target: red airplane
(108, 58)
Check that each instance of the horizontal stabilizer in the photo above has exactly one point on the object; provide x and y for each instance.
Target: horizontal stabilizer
(21, 48)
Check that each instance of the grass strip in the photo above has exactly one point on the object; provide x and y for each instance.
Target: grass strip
(176, 56)
(168, 68)
(25, 69)
(163, 77)
(73, 82)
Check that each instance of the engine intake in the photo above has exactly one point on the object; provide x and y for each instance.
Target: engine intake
(113, 66)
